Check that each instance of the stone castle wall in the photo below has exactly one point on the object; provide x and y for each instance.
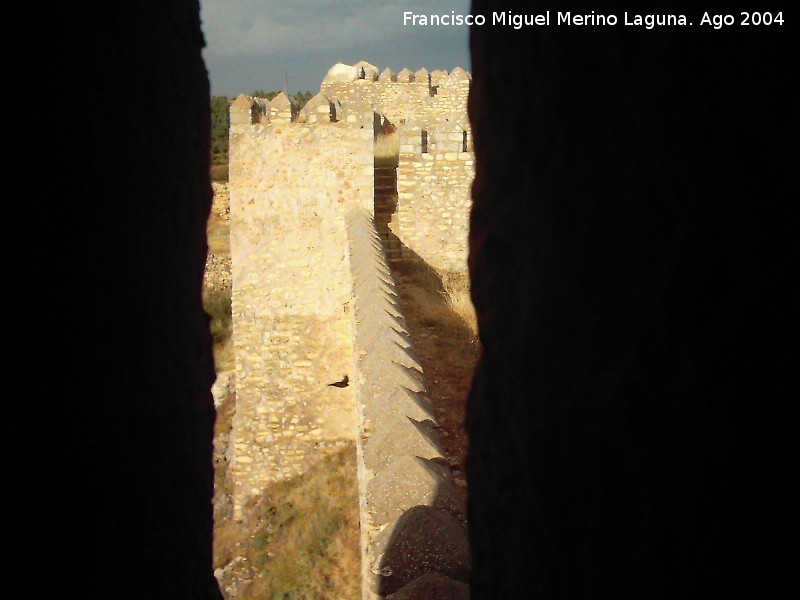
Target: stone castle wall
(434, 179)
(420, 96)
(290, 187)
(435, 170)
(313, 301)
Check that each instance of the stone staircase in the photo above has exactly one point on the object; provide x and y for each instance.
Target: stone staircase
(385, 207)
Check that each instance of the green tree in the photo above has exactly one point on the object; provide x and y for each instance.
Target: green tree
(299, 98)
(263, 94)
(220, 124)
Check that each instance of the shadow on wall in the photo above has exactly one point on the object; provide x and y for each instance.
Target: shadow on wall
(427, 551)
(412, 515)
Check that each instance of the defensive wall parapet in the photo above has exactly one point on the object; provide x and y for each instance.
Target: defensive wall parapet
(405, 96)
(412, 518)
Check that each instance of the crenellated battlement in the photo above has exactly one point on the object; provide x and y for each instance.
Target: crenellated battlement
(428, 99)
(443, 140)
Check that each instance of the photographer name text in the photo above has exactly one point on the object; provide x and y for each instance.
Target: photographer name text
(648, 21)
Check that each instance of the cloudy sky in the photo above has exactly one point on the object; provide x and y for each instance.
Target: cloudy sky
(252, 44)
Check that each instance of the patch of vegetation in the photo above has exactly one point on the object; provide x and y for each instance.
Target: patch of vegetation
(442, 299)
(217, 304)
(218, 227)
(219, 172)
(299, 98)
(458, 299)
(220, 123)
(299, 539)
(219, 241)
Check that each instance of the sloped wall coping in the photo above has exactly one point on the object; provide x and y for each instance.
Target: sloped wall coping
(412, 519)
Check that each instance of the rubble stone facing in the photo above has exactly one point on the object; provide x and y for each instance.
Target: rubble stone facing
(434, 182)
(290, 186)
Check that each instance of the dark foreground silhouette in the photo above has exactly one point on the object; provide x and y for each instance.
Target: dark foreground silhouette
(630, 254)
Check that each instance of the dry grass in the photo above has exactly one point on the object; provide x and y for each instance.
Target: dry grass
(443, 299)
(217, 303)
(458, 300)
(299, 539)
(218, 234)
(218, 226)
(224, 357)
(219, 172)
(219, 241)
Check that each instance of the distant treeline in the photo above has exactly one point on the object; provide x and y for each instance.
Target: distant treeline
(221, 120)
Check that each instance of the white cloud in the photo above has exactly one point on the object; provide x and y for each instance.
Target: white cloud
(256, 43)
(289, 28)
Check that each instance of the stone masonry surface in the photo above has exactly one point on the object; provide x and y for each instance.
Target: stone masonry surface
(290, 185)
(314, 300)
